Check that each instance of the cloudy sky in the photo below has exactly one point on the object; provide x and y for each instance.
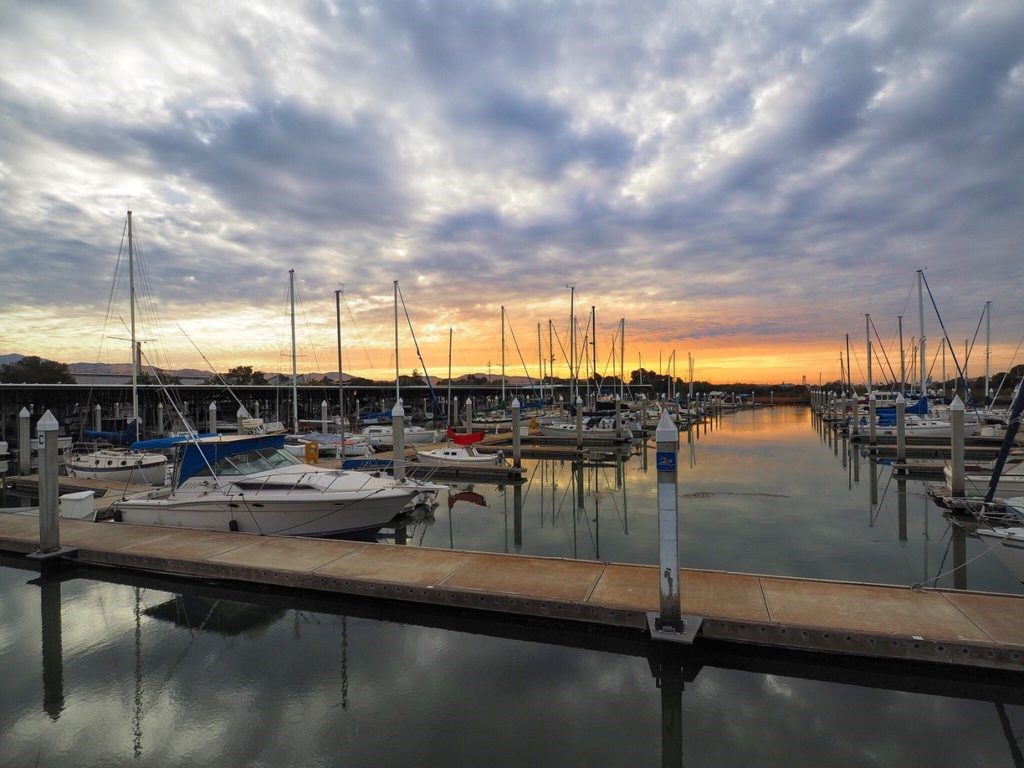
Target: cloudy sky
(740, 180)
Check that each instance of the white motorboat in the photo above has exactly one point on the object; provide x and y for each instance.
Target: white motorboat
(250, 484)
(118, 466)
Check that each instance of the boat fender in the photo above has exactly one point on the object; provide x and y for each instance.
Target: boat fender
(233, 525)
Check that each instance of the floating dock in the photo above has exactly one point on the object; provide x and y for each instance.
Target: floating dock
(959, 628)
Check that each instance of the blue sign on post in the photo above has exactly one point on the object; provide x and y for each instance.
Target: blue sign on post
(665, 461)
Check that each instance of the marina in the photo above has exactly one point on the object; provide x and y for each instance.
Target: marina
(511, 384)
(442, 572)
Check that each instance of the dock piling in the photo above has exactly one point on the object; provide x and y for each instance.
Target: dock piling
(469, 414)
(901, 428)
(872, 419)
(211, 419)
(159, 419)
(97, 417)
(669, 624)
(49, 526)
(324, 414)
(517, 438)
(24, 443)
(957, 484)
(240, 415)
(398, 438)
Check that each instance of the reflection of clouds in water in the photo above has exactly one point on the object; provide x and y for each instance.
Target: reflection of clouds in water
(430, 696)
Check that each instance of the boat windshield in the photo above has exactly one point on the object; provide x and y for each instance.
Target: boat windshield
(250, 463)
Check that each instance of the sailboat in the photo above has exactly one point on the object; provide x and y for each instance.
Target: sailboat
(118, 464)
(382, 435)
(459, 452)
(328, 444)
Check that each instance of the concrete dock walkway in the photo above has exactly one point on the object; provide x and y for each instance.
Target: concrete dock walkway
(866, 620)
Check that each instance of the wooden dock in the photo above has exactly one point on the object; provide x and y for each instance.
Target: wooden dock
(964, 629)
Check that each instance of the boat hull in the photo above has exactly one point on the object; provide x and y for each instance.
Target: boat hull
(148, 469)
(268, 516)
(1008, 546)
(471, 461)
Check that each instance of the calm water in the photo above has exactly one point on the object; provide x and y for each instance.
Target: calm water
(152, 672)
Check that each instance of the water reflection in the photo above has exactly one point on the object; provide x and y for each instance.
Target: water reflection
(207, 673)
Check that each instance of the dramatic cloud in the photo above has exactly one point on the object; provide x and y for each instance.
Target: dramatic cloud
(730, 178)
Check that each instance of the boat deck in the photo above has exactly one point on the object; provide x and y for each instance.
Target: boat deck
(851, 619)
(105, 492)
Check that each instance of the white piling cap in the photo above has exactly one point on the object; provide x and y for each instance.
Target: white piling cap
(579, 400)
(213, 407)
(323, 403)
(98, 407)
(23, 413)
(900, 399)
(515, 402)
(667, 431)
(241, 412)
(957, 404)
(871, 397)
(47, 423)
(398, 410)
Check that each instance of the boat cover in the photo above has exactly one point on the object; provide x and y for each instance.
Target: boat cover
(464, 439)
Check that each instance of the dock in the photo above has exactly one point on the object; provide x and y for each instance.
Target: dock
(958, 629)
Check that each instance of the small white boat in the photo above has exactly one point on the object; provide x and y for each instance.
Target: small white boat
(118, 466)
(249, 484)
(458, 456)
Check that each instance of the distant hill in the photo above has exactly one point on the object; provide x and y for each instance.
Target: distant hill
(125, 369)
(13, 357)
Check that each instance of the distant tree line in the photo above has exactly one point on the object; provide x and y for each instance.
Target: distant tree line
(35, 370)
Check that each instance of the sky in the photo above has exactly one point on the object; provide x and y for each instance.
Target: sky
(740, 181)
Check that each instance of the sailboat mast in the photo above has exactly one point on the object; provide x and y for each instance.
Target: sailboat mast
(920, 309)
(690, 393)
(551, 362)
(572, 344)
(988, 347)
(131, 301)
(622, 361)
(449, 411)
(593, 347)
(397, 393)
(943, 367)
(903, 359)
(503, 354)
(867, 332)
(341, 377)
(295, 370)
(540, 364)
(849, 373)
